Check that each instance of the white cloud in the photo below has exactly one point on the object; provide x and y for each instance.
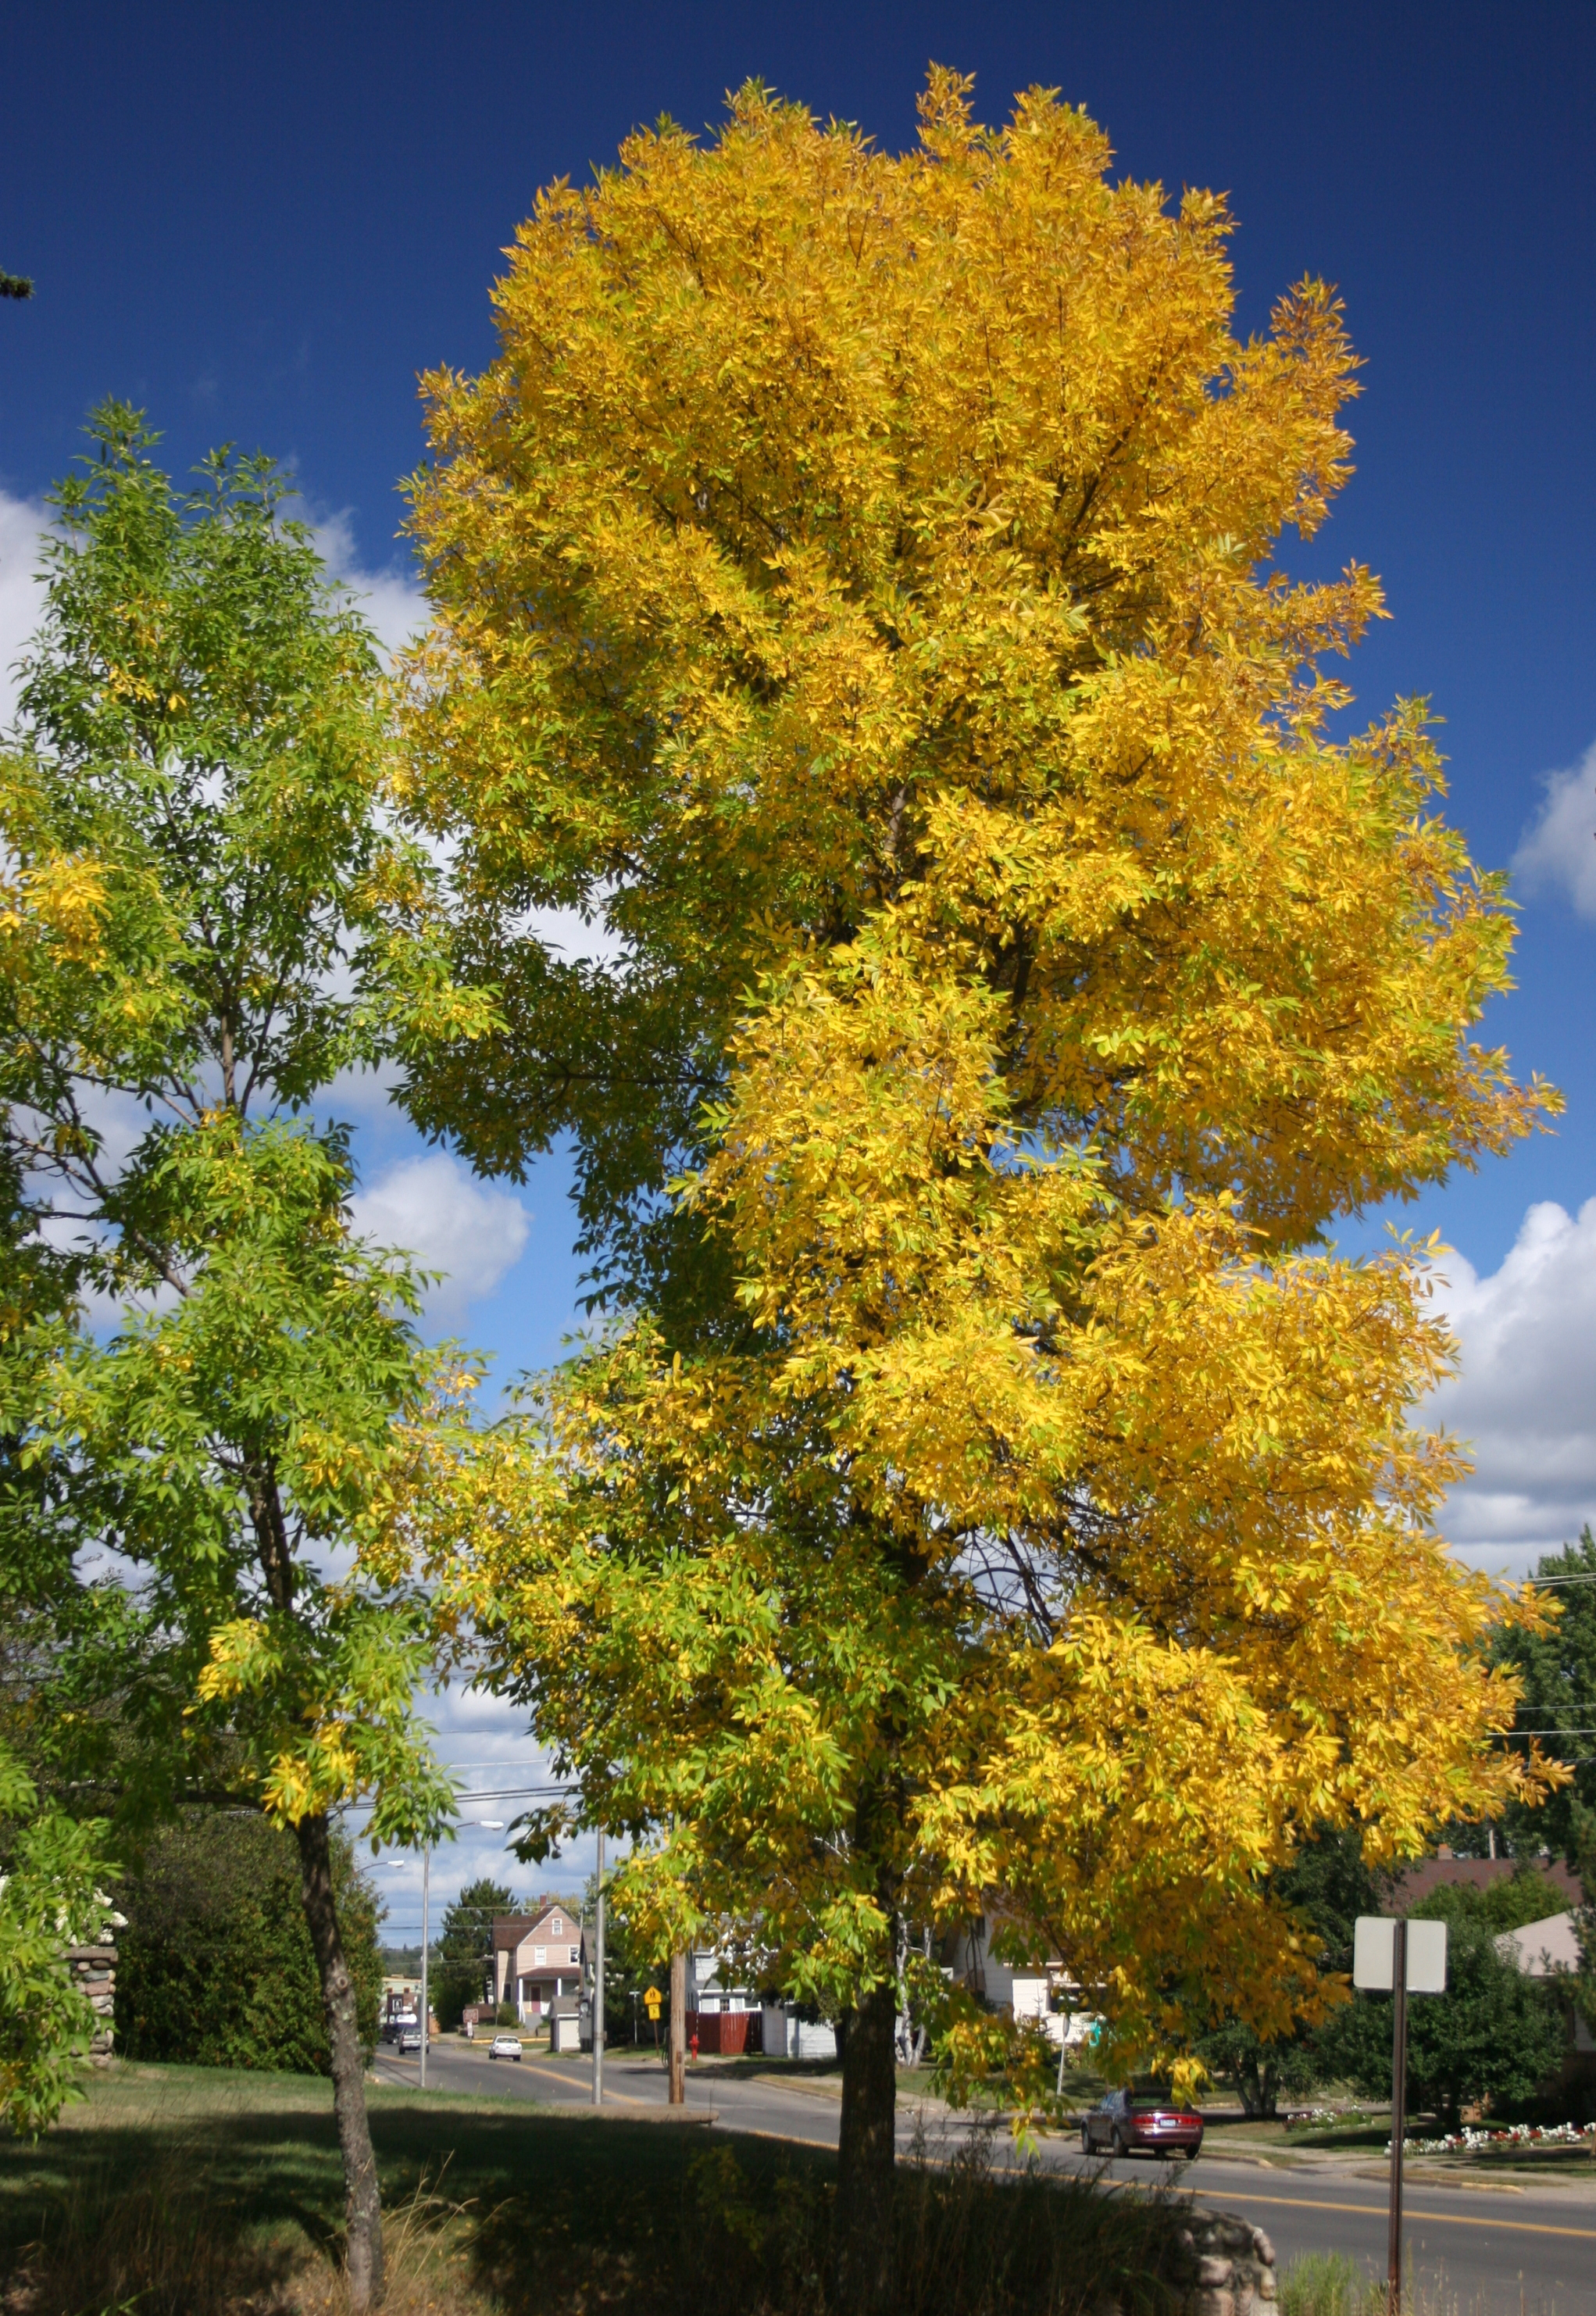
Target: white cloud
(571, 937)
(391, 600)
(1557, 851)
(450, 1222)
(1525, 1397)
(22, 525)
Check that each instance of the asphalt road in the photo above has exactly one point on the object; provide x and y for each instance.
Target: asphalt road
(1496, 2250)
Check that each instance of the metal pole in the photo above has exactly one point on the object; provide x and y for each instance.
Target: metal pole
(678, 2095)
(598, 1983)
(1398, 2113)
(426, 2007)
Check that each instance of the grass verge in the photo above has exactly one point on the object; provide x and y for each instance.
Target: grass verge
(181, 2192)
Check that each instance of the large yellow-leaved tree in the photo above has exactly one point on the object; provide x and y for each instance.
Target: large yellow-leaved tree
(856, 586)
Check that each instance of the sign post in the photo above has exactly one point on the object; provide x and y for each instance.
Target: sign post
(1402, 1959)
(1398, 2115)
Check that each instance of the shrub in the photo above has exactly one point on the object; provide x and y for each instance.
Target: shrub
(216, 1964)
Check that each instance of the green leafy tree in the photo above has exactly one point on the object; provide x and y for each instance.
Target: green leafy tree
(215, 1965)
(1557, 1667)
(1327, 1886)
(1492, 2038)
(195, 918)
(51, 1867)
(460, 1956)
(15, 285)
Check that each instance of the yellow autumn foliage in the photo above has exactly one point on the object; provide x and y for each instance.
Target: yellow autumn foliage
(857, 585)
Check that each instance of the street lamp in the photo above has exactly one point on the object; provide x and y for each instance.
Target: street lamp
(488, 1825)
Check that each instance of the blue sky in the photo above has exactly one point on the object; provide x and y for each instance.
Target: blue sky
(261, 224)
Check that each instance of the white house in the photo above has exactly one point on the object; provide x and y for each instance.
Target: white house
(1545, 1949)
(1041, 1991)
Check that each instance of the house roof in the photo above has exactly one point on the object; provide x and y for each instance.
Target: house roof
(1540, 1949)
(1417, 1881)
(513, 1930)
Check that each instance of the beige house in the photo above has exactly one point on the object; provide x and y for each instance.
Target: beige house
(537, 1959)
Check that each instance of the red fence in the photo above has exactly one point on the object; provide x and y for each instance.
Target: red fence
(725, 2033)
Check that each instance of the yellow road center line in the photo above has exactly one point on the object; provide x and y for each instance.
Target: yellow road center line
(1449, 2219)
(1283, 2203)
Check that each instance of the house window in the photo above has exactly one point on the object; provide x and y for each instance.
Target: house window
(558, 1927)
(539, 1954)
(575, 1953)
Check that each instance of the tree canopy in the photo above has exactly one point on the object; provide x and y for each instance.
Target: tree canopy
(465, 1945)
(1557, 1668)
(196, 916)
(857, 590)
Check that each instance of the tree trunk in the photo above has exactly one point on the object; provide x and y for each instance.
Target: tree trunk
(362, 2208)
(861, 2237)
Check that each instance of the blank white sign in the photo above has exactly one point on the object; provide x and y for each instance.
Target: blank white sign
(1374, 1946)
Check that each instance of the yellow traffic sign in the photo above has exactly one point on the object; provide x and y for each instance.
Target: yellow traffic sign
(652, 1997)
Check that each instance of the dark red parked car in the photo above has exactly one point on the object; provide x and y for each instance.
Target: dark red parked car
(1127, 2122)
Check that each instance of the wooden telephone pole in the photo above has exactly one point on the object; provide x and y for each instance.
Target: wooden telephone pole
(678, 2029)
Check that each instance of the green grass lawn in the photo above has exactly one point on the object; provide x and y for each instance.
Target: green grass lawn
(177, 2191)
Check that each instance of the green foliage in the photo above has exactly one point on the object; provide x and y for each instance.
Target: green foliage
(1493, 2037)
(1521, 1897)
(1327, 1886)
(1558, 1671)
(199, 893)
(198, 916)
(216, 1965)
(50, 1868)
(460, 1956)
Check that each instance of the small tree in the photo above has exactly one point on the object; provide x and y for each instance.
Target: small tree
(51, 1865)
(193, 949)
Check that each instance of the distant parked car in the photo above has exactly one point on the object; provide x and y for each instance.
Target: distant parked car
(505, 2046)
(410, 2039)
(1127, 2122)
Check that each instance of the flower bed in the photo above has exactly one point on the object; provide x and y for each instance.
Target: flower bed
(1469, 2142)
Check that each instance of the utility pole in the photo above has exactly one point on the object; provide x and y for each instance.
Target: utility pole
(1398, 2113)
(598, 1983)
(679, 2030)
(426, 2010)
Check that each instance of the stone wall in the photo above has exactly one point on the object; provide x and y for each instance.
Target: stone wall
(94, 1969)
(1229, 2266)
